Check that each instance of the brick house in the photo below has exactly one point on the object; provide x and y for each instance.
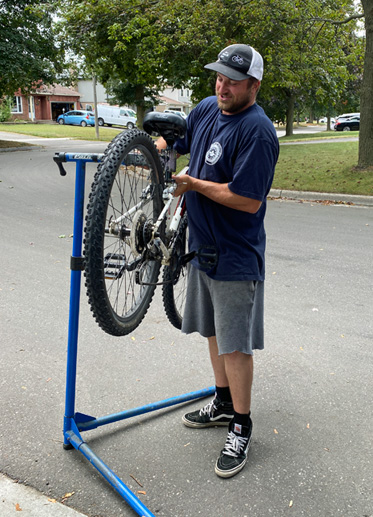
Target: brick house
(45, 103)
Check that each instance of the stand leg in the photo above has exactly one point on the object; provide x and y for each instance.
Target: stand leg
(76, 273)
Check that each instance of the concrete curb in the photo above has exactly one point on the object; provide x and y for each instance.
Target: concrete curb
(346, 199)
(16, 497)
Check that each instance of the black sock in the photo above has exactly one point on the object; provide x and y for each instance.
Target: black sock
(224, 394)
(241, 419)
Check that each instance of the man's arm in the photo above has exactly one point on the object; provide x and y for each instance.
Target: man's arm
(218, 192)
(160, 143)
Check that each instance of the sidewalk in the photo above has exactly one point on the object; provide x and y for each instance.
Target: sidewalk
(16, 497)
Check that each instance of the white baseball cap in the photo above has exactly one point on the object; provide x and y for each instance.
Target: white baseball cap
(238, 62)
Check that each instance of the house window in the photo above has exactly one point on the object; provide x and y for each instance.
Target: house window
(17, 105)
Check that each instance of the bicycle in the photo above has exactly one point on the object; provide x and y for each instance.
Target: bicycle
(132, 229)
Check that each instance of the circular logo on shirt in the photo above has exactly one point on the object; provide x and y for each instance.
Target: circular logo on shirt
(214, 153)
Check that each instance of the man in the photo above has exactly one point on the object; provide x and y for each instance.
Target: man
(233, 152)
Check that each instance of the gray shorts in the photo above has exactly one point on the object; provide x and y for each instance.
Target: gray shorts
(231, 311)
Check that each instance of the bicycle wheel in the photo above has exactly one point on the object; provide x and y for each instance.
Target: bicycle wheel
(175, 277)
(125, 200)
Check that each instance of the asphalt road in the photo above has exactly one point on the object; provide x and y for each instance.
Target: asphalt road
(311, 452)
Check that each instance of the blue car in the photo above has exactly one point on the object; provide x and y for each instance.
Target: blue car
(77, 118)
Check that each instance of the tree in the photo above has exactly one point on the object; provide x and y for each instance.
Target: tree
(305, 54)
(366, 98)
(122, 44)
(27, 52)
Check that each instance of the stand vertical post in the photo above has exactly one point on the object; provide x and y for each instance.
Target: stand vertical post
(75, 281)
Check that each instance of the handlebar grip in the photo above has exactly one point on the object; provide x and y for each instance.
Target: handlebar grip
(59, 158)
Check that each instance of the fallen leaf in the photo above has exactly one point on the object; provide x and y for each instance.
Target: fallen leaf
(301, 348)
(275, 431)
(69, 494)
(141, 492)
(62, 236)
(18, 508)
(308, 426)
(153, 337)
(133, 338)
(52, 500)
(49, 379)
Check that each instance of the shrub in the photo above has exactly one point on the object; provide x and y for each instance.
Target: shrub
(5, 110)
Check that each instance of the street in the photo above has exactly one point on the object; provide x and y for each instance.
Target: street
(312, 438)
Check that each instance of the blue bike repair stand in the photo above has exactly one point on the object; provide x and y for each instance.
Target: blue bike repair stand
(75, 422)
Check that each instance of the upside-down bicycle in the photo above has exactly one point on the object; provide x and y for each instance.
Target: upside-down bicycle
(133, 228)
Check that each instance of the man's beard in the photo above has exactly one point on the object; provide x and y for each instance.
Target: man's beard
(233, 106)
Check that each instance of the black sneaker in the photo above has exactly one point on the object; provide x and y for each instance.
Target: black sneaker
(214, 413)
(234, 455)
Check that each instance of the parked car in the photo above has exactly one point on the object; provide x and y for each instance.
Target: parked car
(77, 118)
(351, 124)
(346, 116)
(181, 113)
(324, 120)
(116, 115)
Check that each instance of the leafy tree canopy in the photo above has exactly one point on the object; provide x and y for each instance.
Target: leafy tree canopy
(27, 51)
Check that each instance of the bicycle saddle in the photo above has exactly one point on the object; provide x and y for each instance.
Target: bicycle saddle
(168, 125)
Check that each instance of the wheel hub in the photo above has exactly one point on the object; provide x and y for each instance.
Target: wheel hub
(141, 233)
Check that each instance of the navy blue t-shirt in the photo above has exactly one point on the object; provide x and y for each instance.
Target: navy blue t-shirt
(240, 150)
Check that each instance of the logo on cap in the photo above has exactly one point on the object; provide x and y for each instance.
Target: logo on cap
(238, 59)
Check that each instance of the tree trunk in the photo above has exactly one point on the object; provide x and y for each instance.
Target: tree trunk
(290, 113)
(139, 94)
(366, 95)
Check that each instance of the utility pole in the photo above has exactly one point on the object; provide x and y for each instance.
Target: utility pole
(95, 102)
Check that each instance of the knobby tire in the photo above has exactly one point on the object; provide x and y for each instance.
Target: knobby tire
(174, 288)
(117, 301)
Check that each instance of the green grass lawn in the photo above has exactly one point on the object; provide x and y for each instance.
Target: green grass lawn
(6, 144)
(57, 131)
(327, 167)
(317, 167)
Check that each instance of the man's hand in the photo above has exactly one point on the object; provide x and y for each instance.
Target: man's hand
(218, 192)
(184, 183)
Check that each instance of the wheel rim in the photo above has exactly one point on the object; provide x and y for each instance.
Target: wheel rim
(129, 183)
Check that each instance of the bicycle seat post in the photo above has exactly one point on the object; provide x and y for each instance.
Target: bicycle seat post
(170, 165)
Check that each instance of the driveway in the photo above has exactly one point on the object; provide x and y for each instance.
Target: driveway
(311, 452)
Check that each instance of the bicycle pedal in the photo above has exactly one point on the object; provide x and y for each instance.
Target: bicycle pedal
(114, 265)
